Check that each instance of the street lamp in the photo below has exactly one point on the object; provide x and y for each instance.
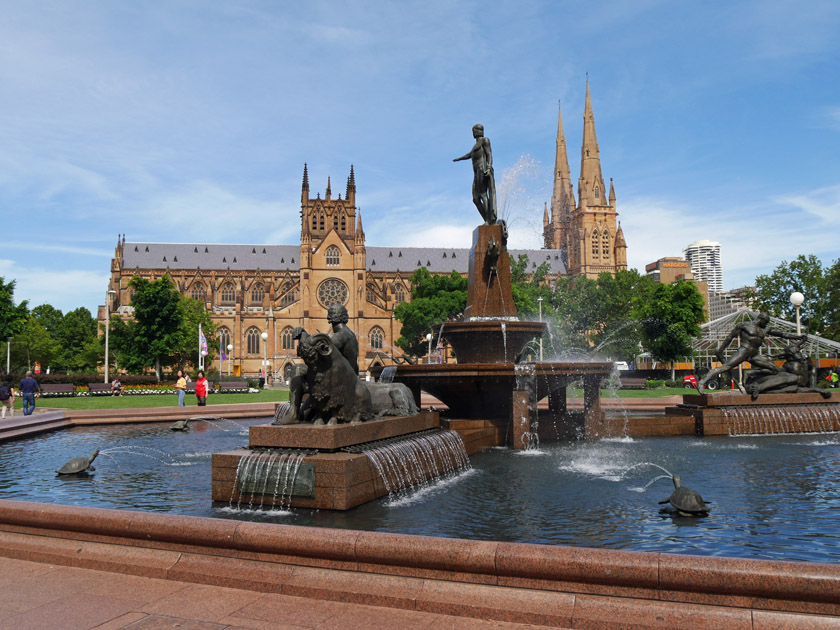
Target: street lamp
(229, 357)
(8, 353)
(265, 357)
(539, 301)
(108, 297)
(429, 354)
(796, 298)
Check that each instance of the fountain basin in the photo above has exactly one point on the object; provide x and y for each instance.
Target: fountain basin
(485, 390)
(491, 341)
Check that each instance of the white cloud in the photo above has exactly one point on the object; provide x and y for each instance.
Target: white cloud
(823, 203)
(65, 289)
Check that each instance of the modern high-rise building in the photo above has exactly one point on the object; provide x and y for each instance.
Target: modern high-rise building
(704, 257)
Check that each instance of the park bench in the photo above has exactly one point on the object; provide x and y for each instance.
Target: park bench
(233, 387)
(97, 389)
(191, 387)
(633, 382)
(58, 389)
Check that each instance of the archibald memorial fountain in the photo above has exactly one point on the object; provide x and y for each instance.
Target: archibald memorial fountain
(341, 442)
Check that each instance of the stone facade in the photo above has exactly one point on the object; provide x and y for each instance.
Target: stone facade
(587, 231)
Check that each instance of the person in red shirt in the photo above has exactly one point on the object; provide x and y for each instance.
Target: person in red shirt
(201, 389)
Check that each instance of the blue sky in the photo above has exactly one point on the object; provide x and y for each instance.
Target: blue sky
(190, 121)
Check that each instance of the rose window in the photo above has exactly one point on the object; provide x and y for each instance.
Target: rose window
(332, 291)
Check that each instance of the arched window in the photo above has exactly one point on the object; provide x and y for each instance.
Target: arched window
(596, 242)
(257, 294)
(597, 193)
(605, 244)
(286, 339)
(224, 338)
(199, 292)
(333, 256)
(252, 341)
(399, 294)
(343, 223)
(228, 293)
(314, 222)
(377, 335)
(335, 222)
(321, 221)
(288, 295)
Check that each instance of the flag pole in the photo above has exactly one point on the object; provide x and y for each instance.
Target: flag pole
(200, 354)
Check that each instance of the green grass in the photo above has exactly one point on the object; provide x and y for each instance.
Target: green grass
(156, 400)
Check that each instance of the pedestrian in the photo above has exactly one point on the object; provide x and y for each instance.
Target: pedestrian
(201, 389)
(7, 397)
(116, 387)
(181, 388)
(29, 391)
(834, 378)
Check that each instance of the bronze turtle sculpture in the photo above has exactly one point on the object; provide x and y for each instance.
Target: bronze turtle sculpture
(686, 501)
(181, 425)
(78, 465)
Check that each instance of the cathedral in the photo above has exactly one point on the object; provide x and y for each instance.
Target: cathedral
(258, 294)
(587, 231)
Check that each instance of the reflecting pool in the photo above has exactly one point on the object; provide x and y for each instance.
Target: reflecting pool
(775, 497)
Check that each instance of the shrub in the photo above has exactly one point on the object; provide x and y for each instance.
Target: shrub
(654, 383)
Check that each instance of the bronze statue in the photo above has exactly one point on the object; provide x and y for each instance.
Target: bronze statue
(484, 181)
(345, 342)
(751, 336)
(795, 375)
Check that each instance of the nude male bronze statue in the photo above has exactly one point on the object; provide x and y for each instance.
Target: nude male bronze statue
(484, 181)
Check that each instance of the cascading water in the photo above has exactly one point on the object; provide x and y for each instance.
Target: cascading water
(774, 419)
(409, 463)
(262, 470)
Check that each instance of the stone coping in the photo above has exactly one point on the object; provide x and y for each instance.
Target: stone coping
(224, 552)
(734, 398)
(335, 437)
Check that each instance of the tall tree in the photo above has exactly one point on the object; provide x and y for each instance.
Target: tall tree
(194, 313)
(33, 344)
(820, 313)
(12, 316)
(76, 335)
(158, 314)
(670, 320)
(434, 300)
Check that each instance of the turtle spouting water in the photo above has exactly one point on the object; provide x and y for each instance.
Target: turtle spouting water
(78, 465)
(686, 501)
(181, 425)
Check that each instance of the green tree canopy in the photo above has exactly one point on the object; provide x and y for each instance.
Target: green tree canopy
(434, 300)
(820, 313)
(670, 320)
(158, 314)
(76, 335)
(12, 316)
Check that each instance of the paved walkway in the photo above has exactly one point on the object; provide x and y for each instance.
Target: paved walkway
(38, 596)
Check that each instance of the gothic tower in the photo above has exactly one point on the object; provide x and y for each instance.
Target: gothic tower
(589, 231)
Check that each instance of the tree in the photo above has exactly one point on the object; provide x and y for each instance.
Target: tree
(527, 288)
(12, 316)
(33, 344)
(158, 314)
(49, 317)
(123, 347)
(193, 314)
(670, 319)
(820, 313)
(76, 335)
(434, 300)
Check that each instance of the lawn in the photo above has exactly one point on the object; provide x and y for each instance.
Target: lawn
(156, 400)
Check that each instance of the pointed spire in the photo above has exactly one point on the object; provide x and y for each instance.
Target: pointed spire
(360, 232)
(305, 178)
(562, 173)
(545, 216)
(619, 237)
(351, 183)
(612, 193)
(591, 188)
(329, 189)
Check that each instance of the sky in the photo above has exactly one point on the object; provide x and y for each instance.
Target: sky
(190, 121)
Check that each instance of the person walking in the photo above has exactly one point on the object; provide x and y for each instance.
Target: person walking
(29, 391)
(201, 389)
(7, 397)
(181, 388)
(834, 378)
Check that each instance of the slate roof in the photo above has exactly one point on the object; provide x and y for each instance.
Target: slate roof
(287, 257)
(211, 256)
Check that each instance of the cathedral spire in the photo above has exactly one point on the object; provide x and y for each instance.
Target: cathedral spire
(329, 189)
(591, 184)
(562, 174)
(304, 189)
(612, 193)
(350, 195)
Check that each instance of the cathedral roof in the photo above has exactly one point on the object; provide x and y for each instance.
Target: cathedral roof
(214, 256)
(210, 256)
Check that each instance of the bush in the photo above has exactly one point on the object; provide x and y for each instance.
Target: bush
(82, 380)
(654, 383)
